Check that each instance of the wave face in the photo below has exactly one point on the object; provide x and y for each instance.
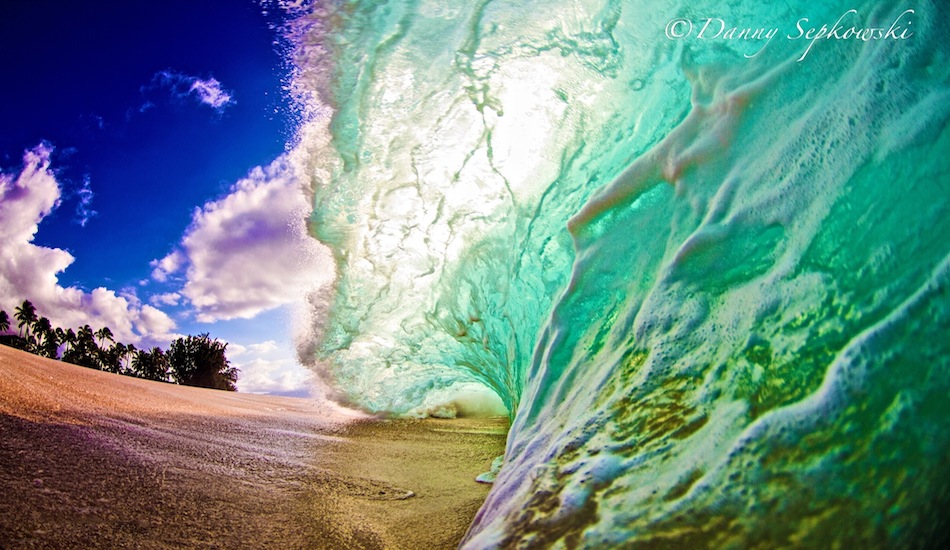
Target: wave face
(712, 289)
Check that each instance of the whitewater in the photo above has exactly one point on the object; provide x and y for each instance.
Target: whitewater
(706, 276)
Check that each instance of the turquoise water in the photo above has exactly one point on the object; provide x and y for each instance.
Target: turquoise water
(707, 275)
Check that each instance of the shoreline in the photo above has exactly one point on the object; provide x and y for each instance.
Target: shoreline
(96, 460)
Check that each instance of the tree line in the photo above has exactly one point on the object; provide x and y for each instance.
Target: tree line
(190, 360)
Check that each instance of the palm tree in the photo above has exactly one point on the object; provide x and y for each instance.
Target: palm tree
(201, 361)
(85, 337)
(151, 365)
(66, 337)
(112, 357)
(47, 344)
(41, 327)
(84, 350)
(130, 353)
(104, 334)
(11, 340)
(26, 315)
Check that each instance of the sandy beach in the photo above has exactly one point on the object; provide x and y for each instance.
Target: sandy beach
(94, 460)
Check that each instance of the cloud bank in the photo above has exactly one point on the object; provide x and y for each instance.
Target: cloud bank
(249, 252)
(267, 367)
(29, 271)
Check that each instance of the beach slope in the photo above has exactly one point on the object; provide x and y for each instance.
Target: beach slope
(96, 460)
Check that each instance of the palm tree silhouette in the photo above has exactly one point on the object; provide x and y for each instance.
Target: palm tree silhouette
(47, 344)
(112, 357)
(26, 315)
(201, 361)
(84, 350)
(66, 337)
(193, 360)
(103, 334)
(130, 353)
(151, 365)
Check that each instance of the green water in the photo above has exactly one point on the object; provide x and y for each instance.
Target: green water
(711, 287)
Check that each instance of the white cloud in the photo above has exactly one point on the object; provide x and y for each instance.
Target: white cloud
(264, 347)
(267, 368)
(84, 211)
(249, 252)
(236, 350)
(155, 322)
(210, 93)
(167, 299)
(28, 198)
(206, 91)
(167, 266)
(29, 271)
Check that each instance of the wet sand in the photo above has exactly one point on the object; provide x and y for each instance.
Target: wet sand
(95, 460)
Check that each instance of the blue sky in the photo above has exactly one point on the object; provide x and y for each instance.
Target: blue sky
(143, 177)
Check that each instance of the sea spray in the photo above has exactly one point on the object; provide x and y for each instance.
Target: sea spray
(712, 288)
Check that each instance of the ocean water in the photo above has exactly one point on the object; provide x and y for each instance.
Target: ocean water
(702, 264)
